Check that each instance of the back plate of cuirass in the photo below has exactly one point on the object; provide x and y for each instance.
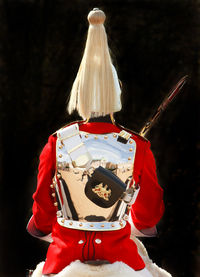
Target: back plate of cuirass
(106, 151)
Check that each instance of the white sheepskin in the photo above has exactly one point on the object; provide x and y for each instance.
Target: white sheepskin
(117, 269)
(38, 271)
(78, 269)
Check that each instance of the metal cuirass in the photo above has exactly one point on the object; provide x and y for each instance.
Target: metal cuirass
(78, 154)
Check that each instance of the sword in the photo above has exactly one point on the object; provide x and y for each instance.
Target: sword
(174, 91)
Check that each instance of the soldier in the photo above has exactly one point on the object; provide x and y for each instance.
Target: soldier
(96, 178)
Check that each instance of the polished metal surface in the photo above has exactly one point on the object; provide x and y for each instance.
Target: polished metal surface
(106, 151)
(92, 226)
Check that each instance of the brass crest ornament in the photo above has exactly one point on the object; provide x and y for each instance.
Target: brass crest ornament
(102, 191)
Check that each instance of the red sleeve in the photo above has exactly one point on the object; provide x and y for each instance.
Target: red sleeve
(149, 206)
(44, 211)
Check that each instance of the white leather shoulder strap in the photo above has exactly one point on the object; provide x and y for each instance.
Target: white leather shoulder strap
(69, 138)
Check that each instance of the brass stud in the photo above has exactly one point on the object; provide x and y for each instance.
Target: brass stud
(114, 135)
(52, 186)
(81, 224)
(105, 137)
(95, 137)
(60, 156)
(60, 147)
(129, 158)
(130, 141)
(71, 223)
(91, 225)
(55, 204)
(131, 149)
(53, 194)
(113, 225)
(102, 225)
(63, 220)
(86, 136)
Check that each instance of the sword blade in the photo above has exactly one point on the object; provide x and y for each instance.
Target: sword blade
(173, 93)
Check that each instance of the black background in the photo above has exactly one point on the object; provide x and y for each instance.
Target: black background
(154, 43)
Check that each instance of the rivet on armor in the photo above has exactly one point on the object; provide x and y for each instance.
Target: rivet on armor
(81, 241)
(55, 204)
(130, 141)
(63, 220)
(129, 158)
(95, 137)
(71, 223)
(114, 135)
(81, 224)
(53, 194)
(113, 225)
(62, 142)
(131, 149)
(51, 186)
(60, 146)
(60, 156)
(105, 137)
(98, 241)
(86, 136)
(102, 225)
(91, 225)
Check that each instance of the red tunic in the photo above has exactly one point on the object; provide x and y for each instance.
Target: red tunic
(69, 244)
